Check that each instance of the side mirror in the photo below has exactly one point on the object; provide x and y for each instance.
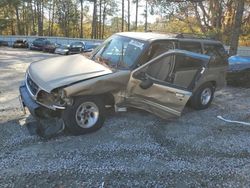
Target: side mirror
(145, 84)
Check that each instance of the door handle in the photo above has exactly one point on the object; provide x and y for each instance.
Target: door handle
(179, 95)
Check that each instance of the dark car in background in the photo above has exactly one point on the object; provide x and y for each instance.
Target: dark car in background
(239, 70)
(77, 47)
(50, 47)
(3, 43)
(63, 50)
(39, 44)
(90, 46)
(21, 43)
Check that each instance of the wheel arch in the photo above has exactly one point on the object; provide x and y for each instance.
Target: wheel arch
(107, 98)
(213, 82)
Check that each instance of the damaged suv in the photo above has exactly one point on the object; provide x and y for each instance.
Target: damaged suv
(154, 72)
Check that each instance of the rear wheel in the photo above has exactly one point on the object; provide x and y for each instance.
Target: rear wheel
(203, 97)
(86, 115)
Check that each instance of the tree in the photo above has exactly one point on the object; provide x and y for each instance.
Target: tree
(237, 28)
(81, 27)
(136, 12)
(128, 15)
(94, 23)
(40, 13)
(100, 19)
(146, 16)
(122, 15)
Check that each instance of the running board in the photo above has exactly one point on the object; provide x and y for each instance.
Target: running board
(120, 109)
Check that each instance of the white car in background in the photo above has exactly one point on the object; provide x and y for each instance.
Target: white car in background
(63, 50)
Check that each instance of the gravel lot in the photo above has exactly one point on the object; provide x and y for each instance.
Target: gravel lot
(133, 149)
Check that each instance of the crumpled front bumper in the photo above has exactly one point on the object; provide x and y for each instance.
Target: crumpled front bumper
(48, 122)
(27, 100)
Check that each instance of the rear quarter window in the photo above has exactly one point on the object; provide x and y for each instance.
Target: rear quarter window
(218, 52)
(190, 46)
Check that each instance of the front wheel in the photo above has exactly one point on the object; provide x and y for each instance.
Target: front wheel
(86, 115)
(203, 97)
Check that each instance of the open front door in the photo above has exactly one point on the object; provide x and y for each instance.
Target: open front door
(164, 85)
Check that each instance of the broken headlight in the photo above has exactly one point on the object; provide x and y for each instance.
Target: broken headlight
(55, 99)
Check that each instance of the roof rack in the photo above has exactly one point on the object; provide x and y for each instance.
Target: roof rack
(193, 36)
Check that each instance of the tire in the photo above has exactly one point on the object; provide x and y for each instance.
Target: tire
(79, 119)
(203, 97)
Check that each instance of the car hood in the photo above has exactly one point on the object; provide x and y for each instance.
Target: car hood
(238, 63)
(61, 71)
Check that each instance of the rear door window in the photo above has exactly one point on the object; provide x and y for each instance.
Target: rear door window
(190, 46)
(179, 70)
(185, 70)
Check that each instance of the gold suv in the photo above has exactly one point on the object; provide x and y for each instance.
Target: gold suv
(154, 72)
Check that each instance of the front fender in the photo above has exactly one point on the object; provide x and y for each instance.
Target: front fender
(108, 83)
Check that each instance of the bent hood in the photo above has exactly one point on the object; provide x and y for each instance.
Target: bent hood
(60, 71)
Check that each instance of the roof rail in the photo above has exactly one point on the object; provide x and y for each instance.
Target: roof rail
(193, 36)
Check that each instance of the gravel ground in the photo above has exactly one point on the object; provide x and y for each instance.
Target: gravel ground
(133, 149)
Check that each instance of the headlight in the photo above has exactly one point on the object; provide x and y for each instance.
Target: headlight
(63, 97)
(55, 98)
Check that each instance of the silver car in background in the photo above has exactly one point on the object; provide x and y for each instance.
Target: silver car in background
(62, 50)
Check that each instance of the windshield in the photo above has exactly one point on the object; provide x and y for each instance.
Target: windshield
(119, 52)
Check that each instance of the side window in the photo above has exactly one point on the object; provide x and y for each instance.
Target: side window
(183, 62)
(218, 51)
(160, 69)
(190, 46)
(159, 48)
(176, 69)
(185, 70)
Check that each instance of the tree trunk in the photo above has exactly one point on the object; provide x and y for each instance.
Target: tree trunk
(237, 28)
(52, 19)
(146, 17)
(103, 21)
(50, 7)
(39, 17)
(128, 15)
(198, 18)
(18, 20)
(33, 12)
(93, 33)
(100, 19)
(81, 25)
(122, 15)
(136, 13)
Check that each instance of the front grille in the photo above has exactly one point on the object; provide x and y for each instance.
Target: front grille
(31, 85)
